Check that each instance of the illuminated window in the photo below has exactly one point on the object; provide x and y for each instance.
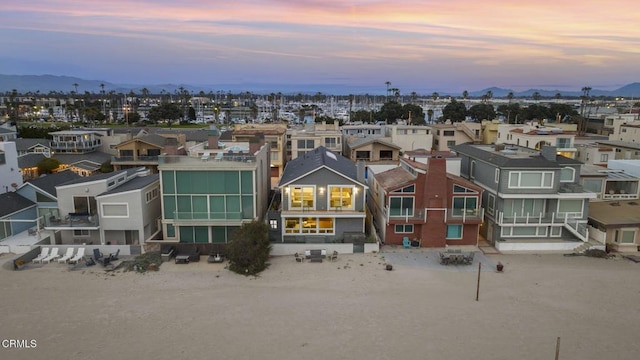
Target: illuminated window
(302, 197)
(341, 197)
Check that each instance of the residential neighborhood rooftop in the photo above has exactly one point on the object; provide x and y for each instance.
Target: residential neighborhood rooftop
(615, 212)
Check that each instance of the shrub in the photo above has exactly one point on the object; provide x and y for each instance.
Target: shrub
(248, 250)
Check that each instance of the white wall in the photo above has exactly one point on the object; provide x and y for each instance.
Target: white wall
(280, 249)
(9, 171)
(631, 167)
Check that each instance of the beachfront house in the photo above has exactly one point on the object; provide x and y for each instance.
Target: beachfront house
(423, 203)
(17, 214)
(533, 200)
(615, 223)
(111, 208)
(321, 204)
(212, 191)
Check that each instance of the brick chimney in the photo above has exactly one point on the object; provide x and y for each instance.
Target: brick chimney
(549, 152)
(212, 138)
(256, 143)
(171, 146)
(435, 197)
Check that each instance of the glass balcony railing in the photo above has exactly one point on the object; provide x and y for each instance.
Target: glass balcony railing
(207, 216)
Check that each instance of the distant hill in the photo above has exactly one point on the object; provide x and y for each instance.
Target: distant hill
(47, 83)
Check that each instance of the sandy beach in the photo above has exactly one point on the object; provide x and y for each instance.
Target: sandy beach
(348, 309)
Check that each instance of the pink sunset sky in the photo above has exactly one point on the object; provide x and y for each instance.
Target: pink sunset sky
(420, 46)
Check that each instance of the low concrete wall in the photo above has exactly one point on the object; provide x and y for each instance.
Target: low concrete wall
(371, 247)
(290, 249)
(553, 246)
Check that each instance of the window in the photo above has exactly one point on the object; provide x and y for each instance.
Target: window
(594, 186)
(457, 189)
(556, 231)
(497, 176)
(454, 231)
(465, 205)
(153, 194)
(524, 231)
(448, 133)
(406, 189)
(274, 156)
(491, 203)
(451, 143)
(81, 233)
(273, 224)
(404, 228)
(625, 236)
(306, 144)
(604, 157)
(567, 174)
(531, 180)
(563, 143)
(115, 210)
(401, 206)
(302, 197)
(524, 207)
(472, 170)
(84, 205)
(341, 197)
(570, 208)
(309, 225)
(330, 142)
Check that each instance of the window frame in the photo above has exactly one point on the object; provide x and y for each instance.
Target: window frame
(543, 175)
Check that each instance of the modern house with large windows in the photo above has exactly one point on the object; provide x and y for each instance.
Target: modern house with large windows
(321, 200)
(420, 201)
(206, 197)
(533, 200)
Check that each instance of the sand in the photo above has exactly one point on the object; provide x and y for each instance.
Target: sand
(349, 309)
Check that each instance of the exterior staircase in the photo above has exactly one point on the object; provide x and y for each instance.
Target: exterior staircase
(470, 133)
(588, 245)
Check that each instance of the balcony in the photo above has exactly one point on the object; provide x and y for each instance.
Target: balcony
(465, 215)
(207, 216)
(65, 146)
(405, 215)
(141, 158)
(576, 226)
(72, 221)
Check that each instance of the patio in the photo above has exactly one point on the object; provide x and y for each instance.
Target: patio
(430, 258)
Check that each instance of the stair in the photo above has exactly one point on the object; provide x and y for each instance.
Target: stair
(587, 245)
(470, 133)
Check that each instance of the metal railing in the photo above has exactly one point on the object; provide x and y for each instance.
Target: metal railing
(207, 216)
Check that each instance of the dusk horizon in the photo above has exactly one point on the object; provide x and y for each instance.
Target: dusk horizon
(417, 46)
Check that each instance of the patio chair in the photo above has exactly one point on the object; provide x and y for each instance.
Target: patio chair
(469, 259)
(79, 256)
(113, 257)
(99, 257)
(52, 256)
(68, 255)
(444, 259)
(333, 256)
(406, 243)
(299, 258)
(44, 252)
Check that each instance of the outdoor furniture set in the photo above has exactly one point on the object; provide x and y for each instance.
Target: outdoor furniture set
(456, 257)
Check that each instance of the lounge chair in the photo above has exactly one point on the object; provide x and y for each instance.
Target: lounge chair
(44, 252)
(114, 257)
(99, 257)
(52, 256)
(67, 256)
(406, 243)
(79, 256)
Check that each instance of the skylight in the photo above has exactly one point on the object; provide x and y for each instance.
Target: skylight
(332, 155)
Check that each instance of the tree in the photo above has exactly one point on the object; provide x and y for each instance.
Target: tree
(106, 167)
(536, 96)
(454, 111)
(430, 115)
(481, 112)
(390, 112)
(165, 111)
(510, 112)
(249, 248)
(47, 165)
(414, 113)
(388, 83)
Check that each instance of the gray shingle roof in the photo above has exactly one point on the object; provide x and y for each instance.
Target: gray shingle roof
(30, 160)
(48, 183)
(505, 161)
(315, 159)
(96, 177)
(95, 156)
(134, 184)
(12, 202)
(25, 144)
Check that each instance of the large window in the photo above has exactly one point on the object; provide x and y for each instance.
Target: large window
(330, 142)
(404, 229)
(454, 231)
(465, 205)
(593, 185)
(85, 205)
(401, 206)
(491, 203)
(341, 197)
(309, 225)
(570, 208)
(531, 180)
(567, 174)
(625, 236)
(306, 144)
(524, 207)
(302, 197)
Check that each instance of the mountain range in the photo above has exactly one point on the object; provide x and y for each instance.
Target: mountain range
(47, 83)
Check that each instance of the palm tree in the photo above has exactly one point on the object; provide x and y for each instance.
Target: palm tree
(536, 96)
(510, 96)
(350, 105)
(414, 97)
(558, 96)
(75, 85)
(465, 96)
(388, 83)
